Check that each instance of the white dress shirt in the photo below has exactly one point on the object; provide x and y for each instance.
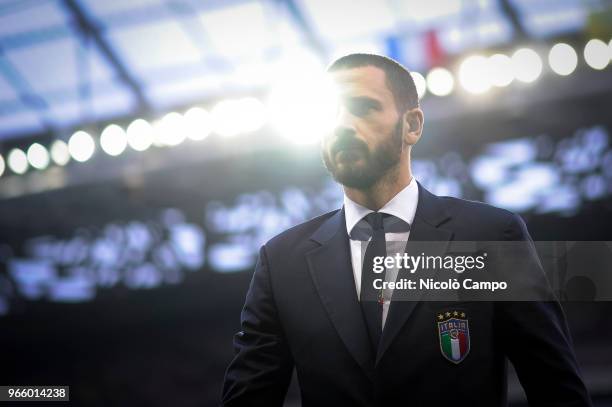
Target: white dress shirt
(403, 205)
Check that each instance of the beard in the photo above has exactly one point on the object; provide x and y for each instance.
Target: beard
(375, 163)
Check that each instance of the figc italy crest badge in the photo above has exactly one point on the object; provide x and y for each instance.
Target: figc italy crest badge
(454, 335)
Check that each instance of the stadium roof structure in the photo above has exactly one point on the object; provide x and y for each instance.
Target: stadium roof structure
(66, 63)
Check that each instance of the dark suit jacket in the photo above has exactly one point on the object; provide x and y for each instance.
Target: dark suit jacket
(302, 311)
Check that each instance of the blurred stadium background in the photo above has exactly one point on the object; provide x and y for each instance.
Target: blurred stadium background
(149, 147)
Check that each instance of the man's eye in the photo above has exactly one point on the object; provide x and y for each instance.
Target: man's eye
(360, 109)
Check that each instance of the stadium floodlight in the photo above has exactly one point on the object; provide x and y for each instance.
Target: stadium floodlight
(563, 59)
(113, 140)
(198, 123)
(440, 81)
(170, 130)
(251, 114)
(38, 156)
(81, 146)
(303, 106)
(597, 54)
(17, 161)
(140, 135)
(59, 153)
(474, 74)
(419, 83)
(225, 120)
(501, 74)
(526, 65)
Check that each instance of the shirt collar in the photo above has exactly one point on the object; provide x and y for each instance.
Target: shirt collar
(403, 205)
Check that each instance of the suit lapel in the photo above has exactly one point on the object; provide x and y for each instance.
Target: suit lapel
(427, 226)
(331, 270)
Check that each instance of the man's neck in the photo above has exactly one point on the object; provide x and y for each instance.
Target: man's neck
(383, 190)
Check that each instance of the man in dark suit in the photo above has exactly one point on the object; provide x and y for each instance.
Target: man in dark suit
(304, 308)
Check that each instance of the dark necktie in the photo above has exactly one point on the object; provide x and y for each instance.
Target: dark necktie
(370, 298)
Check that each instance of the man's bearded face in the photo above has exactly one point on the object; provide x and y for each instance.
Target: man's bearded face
(368, 139)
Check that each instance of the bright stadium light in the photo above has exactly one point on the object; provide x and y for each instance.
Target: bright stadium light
(303, 107)
(59, 153)
(474, 74)
(170, 130)
(140, 135)
(2, 166)
(562, 59)
(17, 161)
(224, 118)
(419, 83)
(440, 81)
(113, 140)
(527, 65)
(81, 146)
(597, 54)
(198, 123)
(38, 156)
(251, 114)
(500, 66)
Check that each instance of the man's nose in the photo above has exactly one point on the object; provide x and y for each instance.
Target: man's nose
(344, 124)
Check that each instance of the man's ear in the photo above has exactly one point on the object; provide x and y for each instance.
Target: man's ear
(413, 125)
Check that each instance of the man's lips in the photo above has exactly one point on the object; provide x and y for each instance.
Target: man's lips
(350, 147)
(348, 154)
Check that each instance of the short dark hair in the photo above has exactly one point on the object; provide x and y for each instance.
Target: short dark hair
(397, 77)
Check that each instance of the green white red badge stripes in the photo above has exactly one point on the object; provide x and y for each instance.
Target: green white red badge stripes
(454, 335)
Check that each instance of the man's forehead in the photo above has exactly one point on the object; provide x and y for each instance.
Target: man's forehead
(366, 80)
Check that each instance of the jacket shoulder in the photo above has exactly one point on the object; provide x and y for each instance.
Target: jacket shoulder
(298, 233)
(479, 220)
(464, 207)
